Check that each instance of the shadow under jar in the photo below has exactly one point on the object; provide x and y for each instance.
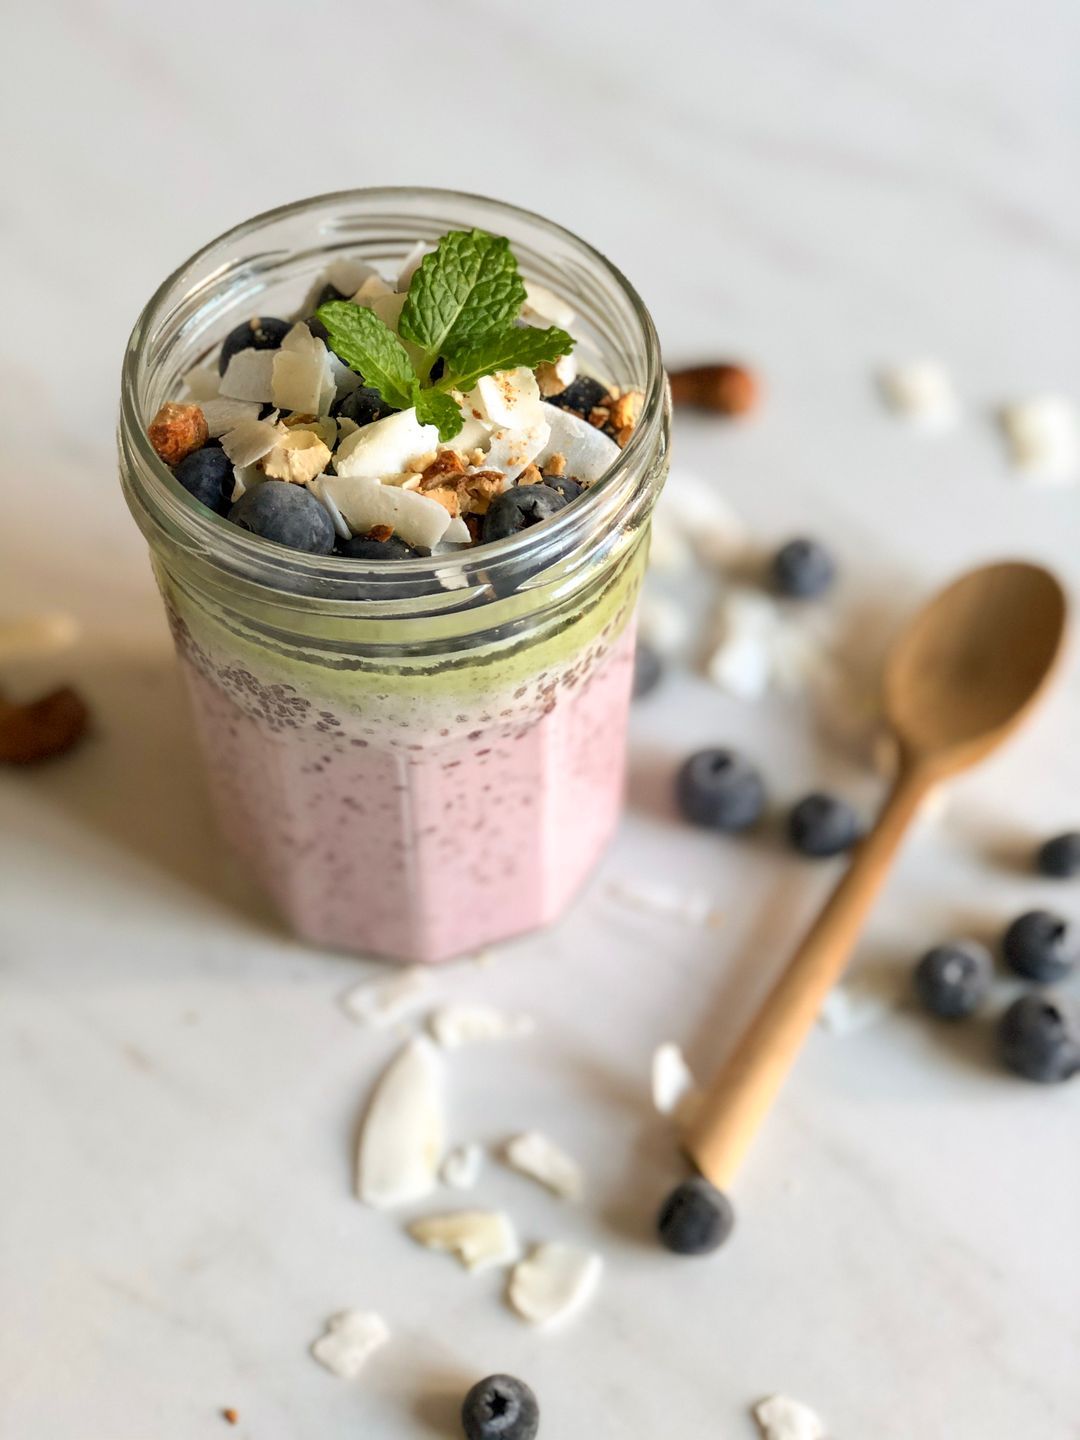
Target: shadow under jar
(416, 758)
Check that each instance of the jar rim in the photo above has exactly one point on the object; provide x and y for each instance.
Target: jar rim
(207, 531)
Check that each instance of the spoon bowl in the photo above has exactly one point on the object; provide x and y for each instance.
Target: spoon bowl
(971, 663)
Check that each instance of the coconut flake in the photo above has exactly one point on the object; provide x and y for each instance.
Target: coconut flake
(553, 376)
(365, 503)
(741, 661)
(480, 1239)
(371, 288)
(351, 1337)
(553, 1282)
(543, 307)
(535, 1155)
(301, 378)
(249, 376)
(401, 1142)
(664, 623)
(456, 533)
(385, 447)
(674, 1090)
(223, 415)
(782, 1418)
(462, 1166)
(410, 265)
(250, 441)
(203, 383)
(347, 275)
(655, 898)
(862, 1000)
(704, 519)
(922, 391)
(589, 452)
(456, 1025)
(512, 450)
(1043, 438)
(509, 399)
(381, 1003)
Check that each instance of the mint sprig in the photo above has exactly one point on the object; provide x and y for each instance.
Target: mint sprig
(461, 307)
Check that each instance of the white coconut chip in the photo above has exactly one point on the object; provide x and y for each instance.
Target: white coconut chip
(480, 1239)
(669, 550)
(344, 380)
(703, 518)
(512, 450)
(535, 1155)
(347, 275)
(589, 452)
(372, 287)
(862, 1000)
(381, 1003)
(203, 383)
(1043, 437)
(401, 1142)
(223, 415)
(741, 662)
(410, 265)
(251, 440)
(385, 447)
(457, 533)
(245, 478)
(674, 1089)
(554, 376)
(553, 1282)
(509, 399)
(301, 378)
(351, 1338)
(922, 391)
(457, 1025)
(341, 529)
(653, 897)
(782, 1418)
(544, 307)
(462, 1166)
(664, 623)
(249, 376)
(365, 503)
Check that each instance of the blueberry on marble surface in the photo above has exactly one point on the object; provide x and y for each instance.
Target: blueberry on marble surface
(1039, 1038)
(208, 475)
(500, 1408)
(287, 514)
(1059, 857)
(953, 980)
(1041, 946)
(695, 1219)
(803, 569)
(720, 790)
(519, 508)
(262, 332)
(822, 825)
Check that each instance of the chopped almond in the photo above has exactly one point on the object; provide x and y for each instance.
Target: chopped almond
(555, 465)
(625, 409)
(447, 497)
(479, 489)
(177, 430)
(298, 457)
(599, 416)
(380, 532)
(530, 476)
(446, 465)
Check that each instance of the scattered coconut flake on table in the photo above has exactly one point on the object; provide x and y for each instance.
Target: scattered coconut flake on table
(456, 1025)
(462, 1166)
(741, 662)
(382, 1003)
(480, 1239)
(401, 1142)
(674, 1089)
(782, 1418)
(351, 1338)
(553, 1282)
(859, 1002)
(1043, 438)
(922, 391)
(28, 636)
(656, 898)
(663, 623)
(535, 1155)
(703, 518)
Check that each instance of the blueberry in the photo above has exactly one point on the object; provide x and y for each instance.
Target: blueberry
(1039, 1039)
(519, 508)
(261, 333)
(567, 488)
(500, 1408)
(720, 790)
(803, 569)
(362, 547)
(823, 825)
(1059, 858)
(648, 670)
(953, 980)
(208, 475)
(287, 514)
(696, 1218)
(1041, 946)
(361, 406)
(581, 396)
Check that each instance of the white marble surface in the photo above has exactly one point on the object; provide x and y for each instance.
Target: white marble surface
(818, 188)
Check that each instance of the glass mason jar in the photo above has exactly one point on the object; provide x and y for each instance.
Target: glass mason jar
(421, 757)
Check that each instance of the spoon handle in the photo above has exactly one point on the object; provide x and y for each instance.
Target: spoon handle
(746, 1085)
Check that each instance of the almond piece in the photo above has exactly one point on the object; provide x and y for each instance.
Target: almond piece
(177, 430)
(723, 389)
(41, 729)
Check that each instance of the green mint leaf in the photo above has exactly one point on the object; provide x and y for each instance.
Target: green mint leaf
(435, 408)
(371, 348)
(466, 288)
(504, 350)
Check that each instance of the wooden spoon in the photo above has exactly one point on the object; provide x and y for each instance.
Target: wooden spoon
(959, 681)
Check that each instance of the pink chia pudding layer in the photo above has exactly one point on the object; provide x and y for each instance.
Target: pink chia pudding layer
(424, 824)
